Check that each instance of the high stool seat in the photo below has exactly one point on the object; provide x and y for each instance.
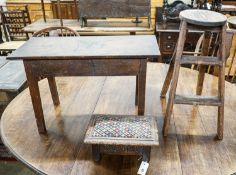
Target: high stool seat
(208, 22)
(203, 17)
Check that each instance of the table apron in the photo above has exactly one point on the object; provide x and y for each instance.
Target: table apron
(101, 67)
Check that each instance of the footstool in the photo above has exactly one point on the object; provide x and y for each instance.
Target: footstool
(122, 135)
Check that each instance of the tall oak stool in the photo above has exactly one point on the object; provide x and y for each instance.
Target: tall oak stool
(207, 21)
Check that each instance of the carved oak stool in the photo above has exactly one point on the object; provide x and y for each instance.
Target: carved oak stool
(209, 22)
(122, 135)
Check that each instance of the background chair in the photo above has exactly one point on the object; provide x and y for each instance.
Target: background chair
(60, 31)
(13, 22)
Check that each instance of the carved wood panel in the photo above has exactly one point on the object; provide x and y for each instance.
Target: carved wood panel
(114, 8)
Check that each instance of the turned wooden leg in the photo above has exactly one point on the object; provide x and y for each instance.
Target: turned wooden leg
(136, 91)
(142, 87)
(53, 90)
(180, 47)
(35, 97)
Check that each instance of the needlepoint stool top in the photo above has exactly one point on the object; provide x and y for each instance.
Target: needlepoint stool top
(122, 130)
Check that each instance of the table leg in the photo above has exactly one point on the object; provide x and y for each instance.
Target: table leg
(142, 87)
(35, 97)
(53, 90)
(136, 91)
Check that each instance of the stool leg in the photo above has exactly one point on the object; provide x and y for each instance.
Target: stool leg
(202, 69)
(220, 122)
(180, 47)
(221, 91)
(169, 75)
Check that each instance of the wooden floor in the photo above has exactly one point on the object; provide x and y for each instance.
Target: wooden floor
(190, 148)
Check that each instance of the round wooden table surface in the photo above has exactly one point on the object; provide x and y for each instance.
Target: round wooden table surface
(190, 147)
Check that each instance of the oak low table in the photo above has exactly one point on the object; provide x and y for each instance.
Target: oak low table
(84, 56)
(122, 135)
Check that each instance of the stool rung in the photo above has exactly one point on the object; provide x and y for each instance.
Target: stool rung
(198, 100)
(201, 60)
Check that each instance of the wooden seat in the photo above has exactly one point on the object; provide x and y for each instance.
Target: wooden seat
(206, 21)
(203, 18)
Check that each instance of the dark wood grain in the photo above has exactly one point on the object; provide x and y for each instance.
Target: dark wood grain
(114, 8)
(190, 147)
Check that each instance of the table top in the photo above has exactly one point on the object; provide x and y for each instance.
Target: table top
(93, 25)
(88, 47)
(190, 147)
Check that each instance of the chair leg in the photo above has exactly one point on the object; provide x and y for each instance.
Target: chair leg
(180, 47)
(53, 90)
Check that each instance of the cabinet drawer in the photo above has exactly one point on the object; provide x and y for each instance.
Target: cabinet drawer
(168, 47)
(169, 36)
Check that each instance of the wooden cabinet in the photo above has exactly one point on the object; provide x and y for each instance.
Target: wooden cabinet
(68, 9)
(167, 39)
(167, 35)
(34, 6)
